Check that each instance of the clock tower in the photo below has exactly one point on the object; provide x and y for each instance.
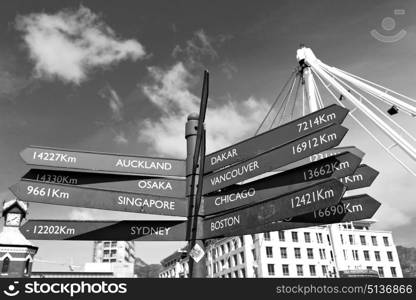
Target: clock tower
(16, 252)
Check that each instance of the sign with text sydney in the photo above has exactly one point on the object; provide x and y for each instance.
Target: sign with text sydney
(338, 166)
(104, 230)
(33, 191)
(276, 137)
(315, 197)
(316, 142)
(103, 162)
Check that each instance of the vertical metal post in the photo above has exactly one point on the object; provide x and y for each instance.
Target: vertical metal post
(197, 270)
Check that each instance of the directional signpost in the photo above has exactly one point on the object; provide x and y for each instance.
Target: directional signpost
(33, 191)
(297, 203)
(364, 176)
(338, 166)
(333, 114)
(220, 194)
(324, 139)
(103, 162)
(104, 230)
(347, 210)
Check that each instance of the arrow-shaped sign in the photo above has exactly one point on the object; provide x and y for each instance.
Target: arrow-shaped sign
(104, 230)
(300, 202)
(347, 210)
(159, 186)
(337, 166)
(364, 176)
(103, 162)
(324, 139)
(333, 114)
(33, 191)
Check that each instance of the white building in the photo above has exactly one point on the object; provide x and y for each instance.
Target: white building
(322, 251)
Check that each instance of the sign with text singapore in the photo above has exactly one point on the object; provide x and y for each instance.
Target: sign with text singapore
(315, 197)
(103, 162)
(316, 142)
(65, 195)
(338, 166)
(333, 114)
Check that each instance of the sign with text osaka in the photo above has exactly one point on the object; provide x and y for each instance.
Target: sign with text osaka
(103, 162)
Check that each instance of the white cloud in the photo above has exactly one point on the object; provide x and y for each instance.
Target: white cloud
(70, 44)
(114, 102)
(80, 215)
(225, 123)
(120, 138)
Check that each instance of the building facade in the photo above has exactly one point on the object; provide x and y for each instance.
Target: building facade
(113, 252)
(322, 251)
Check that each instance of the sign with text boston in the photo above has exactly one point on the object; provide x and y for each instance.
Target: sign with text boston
(316, 142)
(338, 166)
(149, 185)
(104, 230)
(349, 209)
(315, 197)
(34, 191)
(103, 162)
(333, 114)
(364, 176)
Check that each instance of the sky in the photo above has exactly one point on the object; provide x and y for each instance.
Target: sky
(121, 77)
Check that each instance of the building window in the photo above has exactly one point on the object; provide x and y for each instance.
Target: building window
(355, 254)
(366, 255)
(242, 257)
(329, 239)
(222, 249)
(253, 236)
(27, 266)
(342, 239)
(235, 274)
(281, 236)
(297, 253)
(230, 247)
(386, 241)
(363, 241)
(324, 270)
(270, 269)
(374, 240)
(283, 252)
(5, 267)
(345, 254)
(299, 270)
(307, 237)
(351, 238)
(243, 273)
(295, 236)
(319, 237)
(269, 252)
(393, 271)
(312, 270)
(107, 244)
(369, 268)
(253, 251)
(377, 255)
(381, 271)
(285, 270)
(267, 236)
(235, 261)
(322, 253)
(242, 241)
(310, 253)
(390, 255)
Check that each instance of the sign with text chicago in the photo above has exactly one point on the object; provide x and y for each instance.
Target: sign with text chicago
(103, 162)
(318, 196)
(316, 142)
(239, 195)
(333, 114)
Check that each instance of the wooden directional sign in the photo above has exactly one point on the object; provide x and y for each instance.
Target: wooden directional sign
(104, 230)
(347, 210)
(103, 162)
(34, 191)
(300, 202)
(316, 142)
(276, 137)
(364, 176)
(159, 186)
(322, 155)
(337, 166)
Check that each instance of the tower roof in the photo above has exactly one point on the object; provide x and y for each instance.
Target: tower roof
(9, 204)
